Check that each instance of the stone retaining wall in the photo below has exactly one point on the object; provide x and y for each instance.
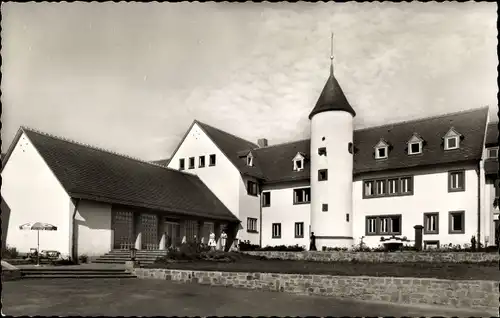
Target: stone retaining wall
(460, 294)
(381, 257)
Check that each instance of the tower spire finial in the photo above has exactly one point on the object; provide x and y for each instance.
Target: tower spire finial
(331, 54)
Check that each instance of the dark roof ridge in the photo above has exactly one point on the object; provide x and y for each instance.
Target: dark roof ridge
(283, 143)
(424, 118)
(99, 149)
(233, 135)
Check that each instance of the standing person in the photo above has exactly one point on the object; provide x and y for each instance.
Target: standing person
(312, 245)
(223, 240)
(211, 241)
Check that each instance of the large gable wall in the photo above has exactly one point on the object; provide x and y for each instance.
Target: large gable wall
(222, 179)
(34, 194)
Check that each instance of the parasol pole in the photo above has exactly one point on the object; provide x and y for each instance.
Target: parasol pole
(38, 248)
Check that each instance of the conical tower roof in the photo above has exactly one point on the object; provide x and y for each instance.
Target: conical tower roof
(332, 98)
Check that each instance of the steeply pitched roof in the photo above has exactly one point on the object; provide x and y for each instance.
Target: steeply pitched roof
(492, 134)
(232, 146)
(90, 173)
(332, 98)
(276, 161)
(471, 124)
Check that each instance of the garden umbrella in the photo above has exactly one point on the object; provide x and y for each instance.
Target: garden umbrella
(38, 226)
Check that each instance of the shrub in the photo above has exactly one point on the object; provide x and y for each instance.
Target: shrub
(246, 246)
(9, 252)
(83, 258)
(283, 248)
(64, 261)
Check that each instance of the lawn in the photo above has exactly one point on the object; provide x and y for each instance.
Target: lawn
(248, 263)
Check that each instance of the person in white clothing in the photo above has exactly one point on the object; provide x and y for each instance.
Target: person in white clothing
(223, 240)
(211, 241)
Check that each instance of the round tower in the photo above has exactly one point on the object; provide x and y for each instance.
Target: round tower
(332, 167)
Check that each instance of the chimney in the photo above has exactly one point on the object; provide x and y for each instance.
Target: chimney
(262, 142)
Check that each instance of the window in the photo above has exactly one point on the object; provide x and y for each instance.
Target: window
(266, 199)
(322, 151)
(451, 143)
(251, 188)
(452, 139)
(429, 245)
(181, 164)
(393, 186)
(381, 149)
(383, 225)
(388, 187)
(250, 160)
(407, 185)
(456, 181)
(369, 188)
(431, 223)
(276, 230)
(457, 222)
(381, 190)
(201, 162)
(347, 217)
(492, 152)
(381, 153)
(302, 195)
(299, 165)
(298, 161)
(415, 148)
(191, 163)
(299, 229)
(322, 175)
(324, 207)
(371, 226)
(211, 160)
(251, 225)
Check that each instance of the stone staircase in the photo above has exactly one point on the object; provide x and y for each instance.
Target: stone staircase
(120, 256)
(51, 273)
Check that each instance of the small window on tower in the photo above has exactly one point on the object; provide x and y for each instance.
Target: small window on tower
(322, 151)
(322, 175)
(325, 207)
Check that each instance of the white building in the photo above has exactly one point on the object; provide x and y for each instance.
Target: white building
(343, 184)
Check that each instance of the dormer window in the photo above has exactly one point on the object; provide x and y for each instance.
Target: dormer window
(382, 149)
(250, 159)
(298, 162)
(452, 139)
(415, 145)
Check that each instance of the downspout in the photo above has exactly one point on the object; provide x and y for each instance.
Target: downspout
(73, 235)
(260, 216)
(479, 204)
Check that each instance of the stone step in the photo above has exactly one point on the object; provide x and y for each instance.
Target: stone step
(119, 261)
(108, 261)
(78, 276)
(47, 271)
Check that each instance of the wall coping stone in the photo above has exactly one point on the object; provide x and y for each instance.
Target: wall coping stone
(381, 257)
(467, 294)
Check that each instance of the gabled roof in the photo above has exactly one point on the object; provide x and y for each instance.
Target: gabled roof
(471, 124)
(492, 135)
(274, 161)
(332, 98)
(231, 146)
(90, 173)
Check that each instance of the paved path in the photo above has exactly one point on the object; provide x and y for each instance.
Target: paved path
(144, 297)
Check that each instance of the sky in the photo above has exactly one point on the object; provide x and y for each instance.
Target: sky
(131, 77)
